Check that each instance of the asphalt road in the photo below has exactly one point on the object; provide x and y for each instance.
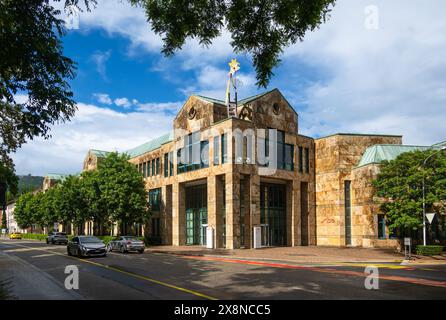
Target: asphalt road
(36, 271)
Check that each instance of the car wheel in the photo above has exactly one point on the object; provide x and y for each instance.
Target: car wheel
(141, 250)
(122, 249)
(47, 242)
(69, 252)
(79, 253)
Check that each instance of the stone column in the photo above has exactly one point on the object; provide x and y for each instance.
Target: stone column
(166, 215)
(178, 215)
(232, 186)
(294, 216)
(254, 210)
(212, 205)
(220, 210)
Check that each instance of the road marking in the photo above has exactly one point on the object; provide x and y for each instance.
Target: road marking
(135, 275)
(44, 255)
(426, 282)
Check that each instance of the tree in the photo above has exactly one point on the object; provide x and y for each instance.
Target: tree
(399, 183)
(71, 203)
(262, 28)
(122, 190)
(4, 223)
(32, 64)
(95, 205)
(22, 213)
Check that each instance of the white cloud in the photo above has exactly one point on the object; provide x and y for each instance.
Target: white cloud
(103, 98)
(92, 127)
(168, 107)
(123, 102)
(100, 59)
(390, 80)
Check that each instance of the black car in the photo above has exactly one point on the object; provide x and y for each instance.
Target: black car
(57, 237)
(86, 246)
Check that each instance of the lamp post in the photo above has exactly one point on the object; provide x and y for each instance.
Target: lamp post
(424, 192)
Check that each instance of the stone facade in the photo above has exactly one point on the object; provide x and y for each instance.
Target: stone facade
(301, 202)
(231, 214)
(336, 160)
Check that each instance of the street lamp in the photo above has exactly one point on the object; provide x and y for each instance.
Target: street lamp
(424, 192)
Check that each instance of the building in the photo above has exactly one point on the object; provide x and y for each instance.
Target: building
(253, 170)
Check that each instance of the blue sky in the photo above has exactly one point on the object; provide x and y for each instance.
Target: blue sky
(345, 77)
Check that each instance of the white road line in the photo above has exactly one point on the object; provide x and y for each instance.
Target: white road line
(44, 255)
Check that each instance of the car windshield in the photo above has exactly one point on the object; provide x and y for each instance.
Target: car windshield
(61, 234)
(130, 238)
(90, 240)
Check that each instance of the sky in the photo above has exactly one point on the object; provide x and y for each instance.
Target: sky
(373, 67)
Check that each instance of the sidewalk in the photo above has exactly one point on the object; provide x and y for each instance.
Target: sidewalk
(307, 254)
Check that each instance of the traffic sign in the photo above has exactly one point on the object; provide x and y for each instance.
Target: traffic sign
(430, 217)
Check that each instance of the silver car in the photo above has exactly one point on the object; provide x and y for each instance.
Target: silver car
(125, 244)
(86, 246)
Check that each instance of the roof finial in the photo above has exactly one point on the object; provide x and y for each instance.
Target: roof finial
(234, 66)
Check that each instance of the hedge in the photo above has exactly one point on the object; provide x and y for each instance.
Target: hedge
(34, 236)
(42, 237)
(429, 250)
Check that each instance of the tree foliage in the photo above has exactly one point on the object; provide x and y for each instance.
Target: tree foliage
(262, 28)
(32, 64)
(113, 192)
(400, 184)
(122, 189)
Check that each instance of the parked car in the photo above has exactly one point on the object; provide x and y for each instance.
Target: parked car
(125, 244)
(57, 237)
(86, 246)
(15, 235)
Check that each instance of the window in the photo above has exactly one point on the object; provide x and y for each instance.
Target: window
(180, 166)
(194, 155)
(289, 155)
(157, 166)
(155, 199)
(284, 152)
(381, 226)
(153, 167)
(171, 163)
(301, 160)
(348, 212)
(166, 165)
(156, 227)
(144, 169)
(216, 150)
(224, 148)
(307, 160)
(204, 151)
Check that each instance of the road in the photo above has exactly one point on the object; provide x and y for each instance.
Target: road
(37, 270)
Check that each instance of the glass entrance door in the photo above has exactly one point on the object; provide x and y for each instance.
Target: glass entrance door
(196, 215)
(273, 214)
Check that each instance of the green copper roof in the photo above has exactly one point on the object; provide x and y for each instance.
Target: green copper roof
(56, 176)
(99, 153)
(212, 100)
(246, 100)
(149, 146)
(440, 144)
(380, 152)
